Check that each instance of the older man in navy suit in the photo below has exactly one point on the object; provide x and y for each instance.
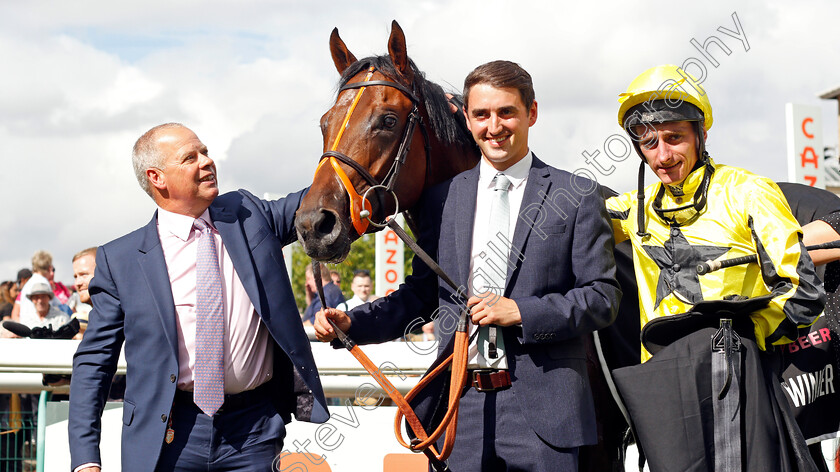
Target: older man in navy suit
(217, 359)
(533, 248)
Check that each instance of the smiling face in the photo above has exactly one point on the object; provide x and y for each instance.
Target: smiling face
(186, 183)
(42, 304)
(83, 268)
(499, 123)
(670, 149)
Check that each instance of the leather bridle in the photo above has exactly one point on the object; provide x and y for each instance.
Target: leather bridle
(455, 364)
(360, 208)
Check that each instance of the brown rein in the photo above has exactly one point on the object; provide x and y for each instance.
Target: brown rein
(360, 213)
(424, 441)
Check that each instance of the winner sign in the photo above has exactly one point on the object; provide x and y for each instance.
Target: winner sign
(390, 267)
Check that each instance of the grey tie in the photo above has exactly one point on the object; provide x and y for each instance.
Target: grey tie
(496, 263)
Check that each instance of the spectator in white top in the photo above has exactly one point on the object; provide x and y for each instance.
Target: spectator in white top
(47, 315)
(42, 272)
(361, 287)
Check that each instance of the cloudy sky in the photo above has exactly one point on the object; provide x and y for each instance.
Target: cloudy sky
(82, 80)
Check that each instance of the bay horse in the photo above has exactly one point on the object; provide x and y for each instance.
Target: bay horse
(370, 140)
(370, 146)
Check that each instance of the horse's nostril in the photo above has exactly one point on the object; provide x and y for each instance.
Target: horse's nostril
(325, 222)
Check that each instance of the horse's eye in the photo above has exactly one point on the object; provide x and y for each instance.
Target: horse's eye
(389, 121)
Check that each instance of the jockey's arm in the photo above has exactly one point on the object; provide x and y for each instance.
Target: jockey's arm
(818, 232)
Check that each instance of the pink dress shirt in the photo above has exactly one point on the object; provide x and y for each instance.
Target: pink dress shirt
(248, 354)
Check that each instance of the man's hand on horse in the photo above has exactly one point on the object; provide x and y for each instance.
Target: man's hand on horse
(492, 309)
(323, 330)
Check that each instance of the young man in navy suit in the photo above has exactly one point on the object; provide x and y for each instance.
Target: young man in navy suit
(195, 397)
(533, 249)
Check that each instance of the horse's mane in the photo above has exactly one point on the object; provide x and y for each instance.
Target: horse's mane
(449, 128)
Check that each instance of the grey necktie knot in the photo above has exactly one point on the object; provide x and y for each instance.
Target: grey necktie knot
(501, 182)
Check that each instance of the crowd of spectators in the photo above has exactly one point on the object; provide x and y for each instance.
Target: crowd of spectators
(36, 300)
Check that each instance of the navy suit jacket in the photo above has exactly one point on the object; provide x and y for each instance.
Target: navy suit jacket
(563, 283)
(133, 304)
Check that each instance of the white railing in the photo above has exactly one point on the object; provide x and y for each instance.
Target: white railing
(22, 361)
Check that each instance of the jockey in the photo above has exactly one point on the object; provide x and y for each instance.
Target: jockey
(701, 210)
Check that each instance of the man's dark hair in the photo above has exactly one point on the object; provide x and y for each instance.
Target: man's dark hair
(501, 74)
(361, 273)
(23, 274)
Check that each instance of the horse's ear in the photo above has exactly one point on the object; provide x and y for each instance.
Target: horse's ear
(342, 57)
(397, 51)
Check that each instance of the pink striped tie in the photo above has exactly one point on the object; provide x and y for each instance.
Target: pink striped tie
(209, 381)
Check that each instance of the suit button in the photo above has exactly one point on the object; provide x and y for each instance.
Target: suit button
(172, 378)
(163, 418)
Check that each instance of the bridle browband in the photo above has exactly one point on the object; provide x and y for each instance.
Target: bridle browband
(360, 208)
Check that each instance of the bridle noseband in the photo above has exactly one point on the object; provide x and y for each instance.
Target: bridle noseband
(360, 208)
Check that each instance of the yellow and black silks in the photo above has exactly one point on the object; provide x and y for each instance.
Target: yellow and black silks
(744, 214)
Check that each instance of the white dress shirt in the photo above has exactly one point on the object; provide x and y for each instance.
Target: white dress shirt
(482, 240)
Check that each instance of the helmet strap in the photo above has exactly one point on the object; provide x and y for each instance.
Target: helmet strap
(640, 194)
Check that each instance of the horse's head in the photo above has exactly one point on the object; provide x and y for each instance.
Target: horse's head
(378, 152)
(375, 116)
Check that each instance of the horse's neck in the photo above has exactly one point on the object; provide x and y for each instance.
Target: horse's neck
(447, 162)
(453, 161)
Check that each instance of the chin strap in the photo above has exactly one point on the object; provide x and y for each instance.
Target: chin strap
(698, 200)
(640, 209)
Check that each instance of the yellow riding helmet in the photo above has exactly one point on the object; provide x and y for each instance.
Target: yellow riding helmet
(666, 89)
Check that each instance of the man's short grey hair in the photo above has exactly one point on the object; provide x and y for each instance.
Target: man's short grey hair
(146, 154)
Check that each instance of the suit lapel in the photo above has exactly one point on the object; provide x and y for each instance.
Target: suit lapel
(466, 189)
(236, 244)
(153, 266)
(536, 189)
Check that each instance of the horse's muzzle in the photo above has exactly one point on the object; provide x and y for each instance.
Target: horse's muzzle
(323, 235)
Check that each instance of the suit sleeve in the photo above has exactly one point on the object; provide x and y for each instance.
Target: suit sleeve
(94, 365)
(281, 213)
(593, 301)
